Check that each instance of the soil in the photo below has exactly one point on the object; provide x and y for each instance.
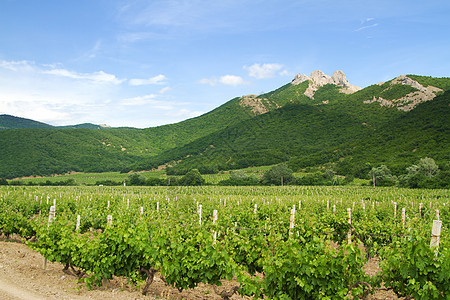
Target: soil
(22, 277)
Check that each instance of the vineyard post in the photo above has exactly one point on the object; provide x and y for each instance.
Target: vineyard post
(200, 214)
(373, 204)
(51, 216)
(420, 209)
(334, 209)
(128, 203)
(215, 217)
(48, 197)
(328, 204)
(292, 221)
(157, 206)
(403, 217)
(395, 210)
(256, 209)
(108, 204)
(349, 234)
(78, 222)
(437, 214)
(435, 235)
(54, 202)
(109, 220)
(142, 210)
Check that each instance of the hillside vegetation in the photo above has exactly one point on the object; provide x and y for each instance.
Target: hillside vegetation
(393, 123)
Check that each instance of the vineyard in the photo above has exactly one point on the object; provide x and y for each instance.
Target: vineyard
(274, 242)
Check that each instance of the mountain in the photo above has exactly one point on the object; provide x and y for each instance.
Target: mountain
(310, 121)
(12, 122)
(330, 125)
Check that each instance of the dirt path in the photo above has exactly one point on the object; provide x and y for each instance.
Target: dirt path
(9, 290)
(22, 277)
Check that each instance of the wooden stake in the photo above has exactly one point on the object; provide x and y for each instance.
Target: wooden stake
(78, 222)
(292, 220)
(403, 217)
(51, 216)
(349, 234)
(435, 235)
(215, 217)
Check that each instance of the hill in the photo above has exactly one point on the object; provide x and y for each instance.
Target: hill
(310, 121)
(12, 122)
(328, 128)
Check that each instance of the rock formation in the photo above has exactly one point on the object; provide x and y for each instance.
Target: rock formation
(318, 79)
(411, 100)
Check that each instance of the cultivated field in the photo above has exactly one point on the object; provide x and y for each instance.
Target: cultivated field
(276, 242)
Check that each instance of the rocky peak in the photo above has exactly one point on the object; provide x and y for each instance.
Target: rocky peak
(299, 78)
(318, 79)
(340, 79)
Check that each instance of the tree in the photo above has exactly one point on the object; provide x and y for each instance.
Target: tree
(136, 179)
(193, 177)
(428, 167)
(238, 175)
(279, 175)
(3, 181)
(423, 175)
(381, 176)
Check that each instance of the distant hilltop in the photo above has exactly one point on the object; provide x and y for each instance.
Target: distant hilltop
(319, 79)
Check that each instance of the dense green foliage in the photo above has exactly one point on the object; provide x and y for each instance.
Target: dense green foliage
(276, 242)
(11, 122)
(333, 128)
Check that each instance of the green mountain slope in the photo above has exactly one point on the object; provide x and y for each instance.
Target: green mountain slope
(326, 129)
(422, 132)
(307, 123)
(12, 122)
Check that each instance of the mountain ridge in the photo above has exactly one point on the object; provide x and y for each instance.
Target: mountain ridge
(337, 116)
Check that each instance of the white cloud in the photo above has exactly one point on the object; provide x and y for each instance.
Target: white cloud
(164, 90)
(100, 76)
(232, 80)
(158, 79)
(286, 73)
(211, 81)
(16, 66)
(139, 100)
(366, 27)
(263, 71)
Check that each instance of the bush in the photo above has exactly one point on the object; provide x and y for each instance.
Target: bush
(279, 175)
(193, 177)
(3, 181)
(136, 179)
(240, 178)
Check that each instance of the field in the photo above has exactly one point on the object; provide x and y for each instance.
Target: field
(276, 242)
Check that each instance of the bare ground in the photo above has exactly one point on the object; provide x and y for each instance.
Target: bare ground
(22, 277)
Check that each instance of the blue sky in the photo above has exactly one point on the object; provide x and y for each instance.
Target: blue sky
(148, 63)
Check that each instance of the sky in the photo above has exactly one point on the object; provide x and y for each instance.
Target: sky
(148, 63)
